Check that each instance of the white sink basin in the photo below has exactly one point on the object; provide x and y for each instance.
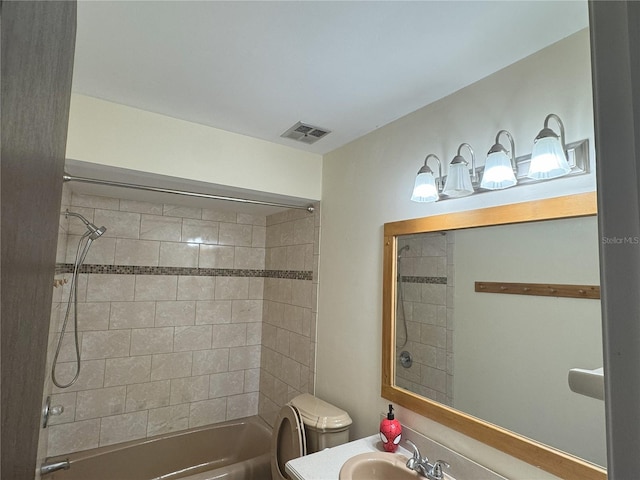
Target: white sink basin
(377, 466)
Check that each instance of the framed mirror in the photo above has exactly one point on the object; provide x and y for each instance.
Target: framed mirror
(493, 366)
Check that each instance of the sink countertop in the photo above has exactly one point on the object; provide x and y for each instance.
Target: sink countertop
(326, 465)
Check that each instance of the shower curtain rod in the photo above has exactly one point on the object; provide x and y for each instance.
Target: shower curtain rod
(94, 181)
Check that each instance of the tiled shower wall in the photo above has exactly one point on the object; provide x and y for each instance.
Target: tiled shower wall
(289, 328)
(425, 300)
(170, 319)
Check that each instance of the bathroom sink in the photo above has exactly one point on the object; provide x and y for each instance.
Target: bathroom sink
(377, 466)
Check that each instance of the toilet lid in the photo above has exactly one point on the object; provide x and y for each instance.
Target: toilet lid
(288, 441)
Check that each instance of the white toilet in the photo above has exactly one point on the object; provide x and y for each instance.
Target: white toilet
(306, 425)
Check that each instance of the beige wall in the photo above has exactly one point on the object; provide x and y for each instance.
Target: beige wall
(119, 136)
(368, 183)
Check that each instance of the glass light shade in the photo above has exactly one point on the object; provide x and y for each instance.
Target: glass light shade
(498, 172)
(425, 190)
(458, 181)
(548, 159)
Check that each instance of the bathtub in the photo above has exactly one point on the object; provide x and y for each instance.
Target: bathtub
(233, 450)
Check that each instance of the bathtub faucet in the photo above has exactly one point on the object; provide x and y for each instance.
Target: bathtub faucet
(54, 467)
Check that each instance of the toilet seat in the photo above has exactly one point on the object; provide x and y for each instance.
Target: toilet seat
(288, 441)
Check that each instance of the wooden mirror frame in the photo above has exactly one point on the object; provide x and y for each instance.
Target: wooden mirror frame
(547, 458)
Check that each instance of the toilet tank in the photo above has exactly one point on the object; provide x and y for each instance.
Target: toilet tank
(325, 425)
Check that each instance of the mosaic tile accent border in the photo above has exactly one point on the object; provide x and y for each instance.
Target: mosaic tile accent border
(196, 272)
(432, 280)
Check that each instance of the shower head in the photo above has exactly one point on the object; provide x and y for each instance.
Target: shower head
(406, 247)
(98, 232)
(94, 232)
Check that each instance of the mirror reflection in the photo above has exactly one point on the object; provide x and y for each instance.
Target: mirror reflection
(503, 358)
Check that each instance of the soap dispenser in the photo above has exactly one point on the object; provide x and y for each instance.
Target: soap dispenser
(390, 432)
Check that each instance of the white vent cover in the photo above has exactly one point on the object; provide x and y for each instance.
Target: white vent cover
(305, 133)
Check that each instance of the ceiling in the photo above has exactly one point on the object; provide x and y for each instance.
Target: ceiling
(257, 68)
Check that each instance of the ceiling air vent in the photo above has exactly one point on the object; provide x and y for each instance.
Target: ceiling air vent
(305, 133)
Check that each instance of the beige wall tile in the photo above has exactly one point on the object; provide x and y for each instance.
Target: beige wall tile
(178, 254)
(199, 231)
(68, 347)
(125, 371)
(94, 201)
(91, 316)
(182, 211)
(216, 256)
(196, 288)
(249, 258)
(100, 403)
(131, 315)
(171, 365)
(269, 336)
(145, 341)
(232, 288)
(156, 227)
(212, 312)
(244, 357)
(276, 258)
(291, 372)
(299, 348)
(282, 341)
(156, 287)
(235, 234)
(106, 344)
(73, 437)
(210, 361)
(293, 318)
(68, 402)
(301, 293)
(226, 384)
(248, 219)
(101, 252)
(219, 216)
(303, 230)
(231, 335)
(259, 236)
(137, 252)
(91, 375)
(187, 390)
(256, 288)
(244, 311)
(251, 380)
(121, 428)
(140, 207)
(143, 396)
(118, 224)
(110, 288)
(254, 333)
(175, 313)
(295, 257)
(192, 338)
(207, 412)
(244, 405)
(168, 419)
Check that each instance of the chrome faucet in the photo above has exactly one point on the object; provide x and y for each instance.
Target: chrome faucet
(54, 467)
(421, 465)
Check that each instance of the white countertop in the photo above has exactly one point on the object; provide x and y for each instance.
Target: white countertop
(326, 465)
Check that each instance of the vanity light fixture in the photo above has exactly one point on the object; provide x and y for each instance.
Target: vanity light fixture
(500, 168)
(426, 189)
(548, 158)
(551, 158)
(459, 180)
